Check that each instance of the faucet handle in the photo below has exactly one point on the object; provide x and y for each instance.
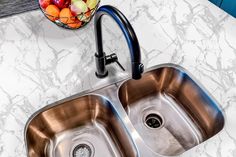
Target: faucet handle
(112, 58)
(118, 63)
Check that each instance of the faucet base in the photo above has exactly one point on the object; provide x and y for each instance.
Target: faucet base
(101, 75)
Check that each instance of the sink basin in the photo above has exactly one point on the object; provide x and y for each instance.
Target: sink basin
(88, 126)
(165, 113)
(171, 112)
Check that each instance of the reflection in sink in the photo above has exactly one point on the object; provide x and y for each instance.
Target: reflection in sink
(87, 126)
(170, 111)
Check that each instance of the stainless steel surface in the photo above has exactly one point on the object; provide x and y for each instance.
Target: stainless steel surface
(165, 113)
(190, 116)
(89, 121)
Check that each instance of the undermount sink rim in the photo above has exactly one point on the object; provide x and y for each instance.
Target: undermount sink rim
(196, 81)
(117, 106)
(182, 69)
(74, 97)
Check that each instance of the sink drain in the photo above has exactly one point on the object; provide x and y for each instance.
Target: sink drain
(82, 150)
(153, 121)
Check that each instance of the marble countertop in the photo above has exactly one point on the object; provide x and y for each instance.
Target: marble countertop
(41, 63)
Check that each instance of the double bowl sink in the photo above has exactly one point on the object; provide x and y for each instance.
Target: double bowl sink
(165, 113)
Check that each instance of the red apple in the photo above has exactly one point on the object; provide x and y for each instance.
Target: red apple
(73, 12)
(44, 3)
(61, 3)
(67, 3)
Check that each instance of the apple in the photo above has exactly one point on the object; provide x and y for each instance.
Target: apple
(44, 3)
(78, 7)
(91, 4)
(61, 3)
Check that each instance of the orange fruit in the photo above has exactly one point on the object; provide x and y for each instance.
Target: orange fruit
(66, 16)
(52, 12)
(75, 24)
(88, 13)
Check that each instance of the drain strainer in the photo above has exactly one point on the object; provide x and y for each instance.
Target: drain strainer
(153, 121)
(82, 150)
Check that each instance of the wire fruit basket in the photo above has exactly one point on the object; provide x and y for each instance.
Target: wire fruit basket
(70, 14)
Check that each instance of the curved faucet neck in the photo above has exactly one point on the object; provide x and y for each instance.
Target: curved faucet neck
(128, 31)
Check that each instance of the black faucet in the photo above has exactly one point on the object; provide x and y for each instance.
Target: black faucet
(101, 58)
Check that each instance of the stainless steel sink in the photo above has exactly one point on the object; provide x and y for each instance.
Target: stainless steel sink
(165, 113)
(88, 126)
(169, 110)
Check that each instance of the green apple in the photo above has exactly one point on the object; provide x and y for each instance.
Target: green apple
(80, 6)
(91, 4)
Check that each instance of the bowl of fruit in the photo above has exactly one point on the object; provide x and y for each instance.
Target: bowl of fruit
(71, 14)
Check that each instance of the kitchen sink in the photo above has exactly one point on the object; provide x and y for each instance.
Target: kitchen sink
(169, 110)
(88, 126)
(165, 113)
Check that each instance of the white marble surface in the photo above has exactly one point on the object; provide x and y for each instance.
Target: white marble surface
(41, 63)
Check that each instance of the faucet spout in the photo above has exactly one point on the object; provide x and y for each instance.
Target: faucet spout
(130, 36)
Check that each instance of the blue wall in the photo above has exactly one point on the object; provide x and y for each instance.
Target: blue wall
(216, 2)
(227, 5)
